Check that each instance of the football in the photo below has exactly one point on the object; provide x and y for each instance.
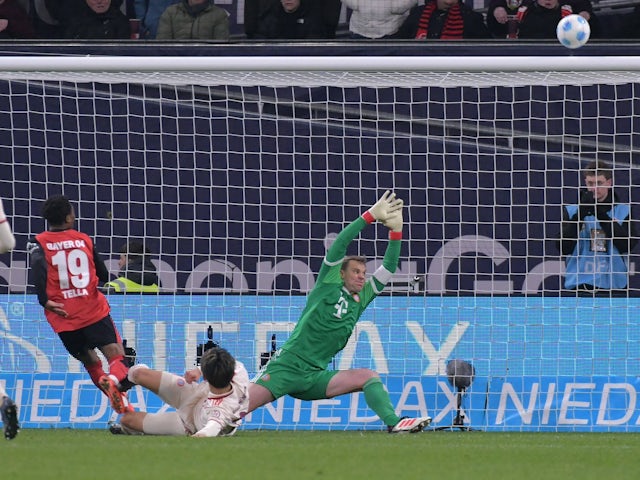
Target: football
(573, 31)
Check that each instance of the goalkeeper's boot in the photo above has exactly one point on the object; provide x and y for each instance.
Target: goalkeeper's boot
(410, 425)
(9, 413)
(117, 398)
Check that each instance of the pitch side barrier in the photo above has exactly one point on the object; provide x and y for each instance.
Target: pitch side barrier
(542, 364)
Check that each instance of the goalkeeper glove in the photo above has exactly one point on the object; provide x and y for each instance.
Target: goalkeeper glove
(385, 206)
(394, 220)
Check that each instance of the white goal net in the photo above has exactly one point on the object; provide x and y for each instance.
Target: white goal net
(237, 173)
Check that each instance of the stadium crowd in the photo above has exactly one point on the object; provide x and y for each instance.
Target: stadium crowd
(308, 19)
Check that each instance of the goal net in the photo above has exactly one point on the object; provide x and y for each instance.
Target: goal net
(238, 173)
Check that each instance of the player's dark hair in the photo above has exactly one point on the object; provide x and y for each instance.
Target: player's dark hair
(355, 258)
(56, 209)
(218, 367)
(597, 168)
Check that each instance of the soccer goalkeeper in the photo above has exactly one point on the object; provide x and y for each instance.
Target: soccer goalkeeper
(333, 308)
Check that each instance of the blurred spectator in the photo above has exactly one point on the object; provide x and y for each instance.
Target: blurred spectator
(137, 273)
(90, 19)
(149, 13)
(254, 10)
(632, 27)
(539, 18)
(193, 20)
(443, 19)
(502, 20)
(584, 8)
(14, 21)
(293, 20)
(377, 18)
(61, 10)
(330, 15)
(128, 8)
(46, 25)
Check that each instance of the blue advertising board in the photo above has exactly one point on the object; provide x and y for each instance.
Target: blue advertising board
(541, 363)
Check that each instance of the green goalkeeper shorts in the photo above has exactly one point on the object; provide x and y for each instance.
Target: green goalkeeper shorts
(288, 374)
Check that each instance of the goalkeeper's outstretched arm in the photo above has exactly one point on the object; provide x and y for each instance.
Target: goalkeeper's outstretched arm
(387, 206)
(7, 240)
(382, 276)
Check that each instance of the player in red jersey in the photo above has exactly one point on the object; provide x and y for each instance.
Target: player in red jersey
(66, 269)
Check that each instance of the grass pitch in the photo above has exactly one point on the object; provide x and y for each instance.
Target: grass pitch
(253, 455)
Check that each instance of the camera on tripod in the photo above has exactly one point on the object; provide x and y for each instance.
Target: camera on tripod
(203, 347)
(129, 354)
(266, 356)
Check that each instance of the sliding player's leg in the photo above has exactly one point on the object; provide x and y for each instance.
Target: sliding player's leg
(376, 396)
(146, 377)
(172, 389)
(165, 423)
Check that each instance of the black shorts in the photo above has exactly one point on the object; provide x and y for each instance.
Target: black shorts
(103, 332)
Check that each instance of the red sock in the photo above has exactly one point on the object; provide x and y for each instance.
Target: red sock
(117, 368)
(95, 372)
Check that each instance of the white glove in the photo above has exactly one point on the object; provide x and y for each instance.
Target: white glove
(394, 221)
(387, 205)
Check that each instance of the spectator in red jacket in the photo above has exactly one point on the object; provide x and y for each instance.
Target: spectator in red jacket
(443, 19)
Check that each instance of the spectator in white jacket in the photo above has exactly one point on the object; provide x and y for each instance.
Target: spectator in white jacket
(377, 18)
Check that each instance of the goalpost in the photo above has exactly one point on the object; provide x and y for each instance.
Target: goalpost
(238, 172)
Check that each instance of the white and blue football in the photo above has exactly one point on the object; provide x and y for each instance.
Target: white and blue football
(573, 31)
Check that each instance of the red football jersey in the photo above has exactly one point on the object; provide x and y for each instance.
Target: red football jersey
(72, 279)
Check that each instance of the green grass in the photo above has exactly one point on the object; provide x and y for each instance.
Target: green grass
(252, 455)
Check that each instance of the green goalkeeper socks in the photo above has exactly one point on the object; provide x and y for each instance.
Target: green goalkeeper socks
(378, 400)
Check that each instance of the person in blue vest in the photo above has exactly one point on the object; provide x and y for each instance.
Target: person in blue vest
(597, 235)
(137, 273)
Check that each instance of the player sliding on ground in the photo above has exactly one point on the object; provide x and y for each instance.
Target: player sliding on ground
(333, 308)
(212, 408)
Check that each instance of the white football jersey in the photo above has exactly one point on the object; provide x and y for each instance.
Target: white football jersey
(215, 415)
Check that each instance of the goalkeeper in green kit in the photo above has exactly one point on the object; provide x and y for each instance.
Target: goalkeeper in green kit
(333, 307)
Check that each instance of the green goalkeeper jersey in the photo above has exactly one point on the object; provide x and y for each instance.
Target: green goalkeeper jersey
(331, 312)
